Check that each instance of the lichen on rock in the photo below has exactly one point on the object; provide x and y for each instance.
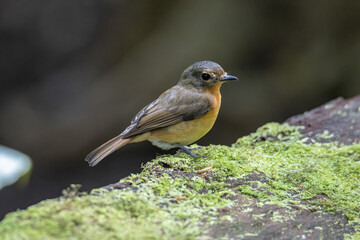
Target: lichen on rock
(270, 179)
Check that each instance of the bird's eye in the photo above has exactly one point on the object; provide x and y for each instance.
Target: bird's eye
(205, 76)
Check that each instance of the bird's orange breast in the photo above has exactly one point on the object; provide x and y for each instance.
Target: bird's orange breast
(188, 132)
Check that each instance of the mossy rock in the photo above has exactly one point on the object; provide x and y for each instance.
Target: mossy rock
(277, 183)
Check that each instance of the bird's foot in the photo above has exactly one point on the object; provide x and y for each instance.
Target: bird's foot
(188, 151)
(195, 148)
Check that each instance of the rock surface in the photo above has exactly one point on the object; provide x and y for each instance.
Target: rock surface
(282, 182)
(339, 119)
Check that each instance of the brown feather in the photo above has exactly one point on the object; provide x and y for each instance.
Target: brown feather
(173, 106)
(107, 148)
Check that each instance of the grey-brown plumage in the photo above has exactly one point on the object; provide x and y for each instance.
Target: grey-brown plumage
(168, 121)
(173, 106)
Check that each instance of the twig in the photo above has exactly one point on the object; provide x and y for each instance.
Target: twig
(205, 169)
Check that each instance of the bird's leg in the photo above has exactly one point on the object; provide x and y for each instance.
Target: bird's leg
(195, 148)
(188, 151)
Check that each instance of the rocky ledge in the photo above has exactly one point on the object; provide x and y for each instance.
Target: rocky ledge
(296, 180)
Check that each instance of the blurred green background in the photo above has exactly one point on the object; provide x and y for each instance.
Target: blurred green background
(74, 73)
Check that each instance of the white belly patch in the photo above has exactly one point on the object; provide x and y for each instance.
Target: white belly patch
(163, 145)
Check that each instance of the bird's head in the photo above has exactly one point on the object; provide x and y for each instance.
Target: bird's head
(204, 74)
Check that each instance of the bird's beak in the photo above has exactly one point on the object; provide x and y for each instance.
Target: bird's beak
(228, 78)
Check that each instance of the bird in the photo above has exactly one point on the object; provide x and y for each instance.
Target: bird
(178, 117)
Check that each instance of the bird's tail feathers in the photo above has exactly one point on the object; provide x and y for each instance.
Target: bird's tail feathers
(107, 148)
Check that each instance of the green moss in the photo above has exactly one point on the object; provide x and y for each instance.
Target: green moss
(326, 176)
(104, 215)
(309, 170)
(325, 135)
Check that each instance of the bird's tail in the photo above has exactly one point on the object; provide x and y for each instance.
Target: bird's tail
(107, 148)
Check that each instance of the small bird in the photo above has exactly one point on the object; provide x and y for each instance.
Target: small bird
(180, 116)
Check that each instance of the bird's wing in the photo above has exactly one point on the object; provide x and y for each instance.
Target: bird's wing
(175, 105)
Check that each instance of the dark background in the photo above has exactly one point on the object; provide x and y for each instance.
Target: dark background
(74, 73)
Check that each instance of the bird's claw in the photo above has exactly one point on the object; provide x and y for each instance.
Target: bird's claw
(195, 148)
(188, 151)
